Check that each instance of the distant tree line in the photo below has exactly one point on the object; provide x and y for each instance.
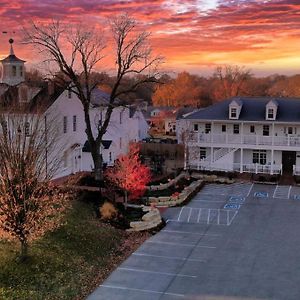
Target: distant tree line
(187, 89)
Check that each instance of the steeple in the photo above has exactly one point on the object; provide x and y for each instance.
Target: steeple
(13, 71)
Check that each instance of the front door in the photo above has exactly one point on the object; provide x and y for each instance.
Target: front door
(288, 160)
(76, 162)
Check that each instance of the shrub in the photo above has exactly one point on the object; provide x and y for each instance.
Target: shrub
(108, 211)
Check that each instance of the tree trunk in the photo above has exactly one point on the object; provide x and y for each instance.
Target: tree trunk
(126, 200)
(98, 168)
(24, 250)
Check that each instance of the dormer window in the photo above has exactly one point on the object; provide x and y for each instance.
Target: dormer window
(233, 113)
(271, 113)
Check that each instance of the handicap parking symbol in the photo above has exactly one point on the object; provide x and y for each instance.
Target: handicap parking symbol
(232, 206)
(296, 197)
(237, 199)
(261, 194)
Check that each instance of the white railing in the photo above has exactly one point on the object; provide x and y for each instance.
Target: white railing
(245, 168)
(296, 170)
(200, 138)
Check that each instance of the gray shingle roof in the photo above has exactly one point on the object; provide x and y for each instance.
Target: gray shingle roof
(253, 109)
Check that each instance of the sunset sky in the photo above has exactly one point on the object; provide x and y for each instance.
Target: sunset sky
(192, 35)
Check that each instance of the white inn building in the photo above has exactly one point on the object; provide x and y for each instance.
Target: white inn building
(243, 134)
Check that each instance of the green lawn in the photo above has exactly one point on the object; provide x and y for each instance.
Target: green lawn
(65, 264)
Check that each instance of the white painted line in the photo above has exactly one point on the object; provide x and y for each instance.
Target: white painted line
(168, 257)
(179, 244)
(190, 213)
(250, 190)
(199, 215)
(159, 273)
(275, 191)
(215, 201)
(140, 290)
(208, 216)
(218, 216)
(233, 218)
(227, 217)
(180, 213)
(188, 232)
(289, 192)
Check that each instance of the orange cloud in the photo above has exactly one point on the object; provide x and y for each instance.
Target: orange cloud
(195, 36)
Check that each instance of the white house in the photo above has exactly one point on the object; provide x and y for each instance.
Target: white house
(127, 124)
(243, 134)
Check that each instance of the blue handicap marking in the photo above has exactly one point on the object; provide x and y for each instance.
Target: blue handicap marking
(232, 206)
(237, 199)
(296, 197)
(261, 194)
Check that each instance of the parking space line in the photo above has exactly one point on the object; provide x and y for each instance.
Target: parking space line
(180, 244)
(180, 213)
(227, 218)
(233, 218)
(168, 257)
(215, 201)
(218, 216)
(190, 213)
(179, 231)
(199, 214)
(275, 191)
(208, 216)
(141, 290)
(289, 192)
(251, 187)
(159, 273)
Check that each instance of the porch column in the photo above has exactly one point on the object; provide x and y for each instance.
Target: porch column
(212, 132)
(80, 159)
(211, 157)
(272, 161)
(242, 132)
(273, 136)
(241, 160)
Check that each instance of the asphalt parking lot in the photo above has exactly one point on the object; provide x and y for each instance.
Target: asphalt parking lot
(238, 241)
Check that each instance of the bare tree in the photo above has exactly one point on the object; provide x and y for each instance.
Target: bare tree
(29, 204)
(230, 81)
(133, 56)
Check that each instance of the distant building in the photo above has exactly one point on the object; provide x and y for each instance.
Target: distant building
(246, 135)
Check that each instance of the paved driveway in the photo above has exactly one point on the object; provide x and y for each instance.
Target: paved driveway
(238, 241)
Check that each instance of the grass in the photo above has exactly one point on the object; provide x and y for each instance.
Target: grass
(65, 264)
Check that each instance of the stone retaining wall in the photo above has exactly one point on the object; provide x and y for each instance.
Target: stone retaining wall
(167, 184)
(149, 221)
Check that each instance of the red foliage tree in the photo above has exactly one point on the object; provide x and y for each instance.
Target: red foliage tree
(130, 174)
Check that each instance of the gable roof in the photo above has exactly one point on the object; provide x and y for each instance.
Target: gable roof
(253, 109)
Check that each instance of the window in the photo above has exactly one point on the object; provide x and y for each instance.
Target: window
(27, 129)
(259, 157)
(196, 127)
(65, 124)
(233, 113)
(69, 94)
(120, 142)
(266, 130)
(14, 71)
(270, 113)
(74, 123)
(207, 128)
(236, 128)
(202, 153)
(252, 129)
(21, 71)
(223, 128)
(290, 130)
(120, 117)
(110, 157)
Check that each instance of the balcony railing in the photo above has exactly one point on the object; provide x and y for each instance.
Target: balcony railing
(233, 139)
(237, 167)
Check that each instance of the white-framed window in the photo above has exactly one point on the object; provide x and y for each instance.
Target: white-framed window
(236, 128)
(290, 130)
(21, 71)
(74, 123)
(202, 153)
(196, 127)
(233, 113)
(110, 156)
(27, 129)
(65, 124)
(252, 129)
(270, 113)
(14, 71)
(223, 128)
(259, 157)
(207, 128)
(69, 94)
(266, 130)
